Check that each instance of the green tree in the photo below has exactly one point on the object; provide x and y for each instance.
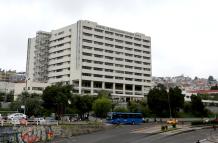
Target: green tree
(56, 98)
(197, 106)
(104, 93)
(120, 109)
(214, 87)
(134, 106)
(101, 107)
(32, 102)
(176, 99)
(157, 99)
(83, 104)
(211, 79)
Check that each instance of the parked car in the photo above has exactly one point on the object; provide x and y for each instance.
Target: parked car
(16, 116)
(40, 120)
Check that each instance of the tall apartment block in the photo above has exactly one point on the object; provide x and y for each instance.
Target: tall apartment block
(92, 57)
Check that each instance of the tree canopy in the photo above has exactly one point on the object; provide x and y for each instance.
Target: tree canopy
(161, 102)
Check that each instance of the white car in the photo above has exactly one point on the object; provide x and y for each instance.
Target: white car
(40, 120)
(16, 116)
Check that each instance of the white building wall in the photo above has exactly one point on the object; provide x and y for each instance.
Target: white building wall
(30, 58)
(32, 87)
(94, 57)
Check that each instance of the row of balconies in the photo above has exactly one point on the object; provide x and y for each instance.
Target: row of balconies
(115, 37)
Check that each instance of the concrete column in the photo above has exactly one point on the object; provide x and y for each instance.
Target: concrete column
(133, 89)
(80, 86)
(124, 89)
(103, 85)
(143, 89)
(92, 89)
(113, 88)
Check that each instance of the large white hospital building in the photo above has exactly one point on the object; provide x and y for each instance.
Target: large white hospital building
(92, 57)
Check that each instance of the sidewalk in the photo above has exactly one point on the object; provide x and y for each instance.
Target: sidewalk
(157, 129)
(213, 137)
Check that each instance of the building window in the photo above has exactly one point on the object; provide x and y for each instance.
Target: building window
(119, 53)
(118, 59)
(146, 52)
(128, 79)
(108, 76)
(109, 39)
(109, 64)
(138, 68)
(98, 43)
(129, 55)
(109, 70)
(99, 37)
(118, 41)
(98, 62)
(108, 85)
(138, 45)
(136, 50)
(138, 62)
(147, 75)
(119, 35)
(87, 47)
(147, 58)
(147, 41)
(129, 67)
(110, 33)
(118, 71)
(98, 56)
(138, 74)
(119, 78)
(145, 63)
(86, 67)
(97, 84)
(129, 49)
(130, 73)
(128, 43)
(87, 34)
(128, 37)
(108, 51)
(137, 39)
(118, 65)
(108, 57)
(86, 83)
(98, 69)
(87, 61)
(139, 80)
(145, 46)
(87, 54)
(129, 61)
(118, 47)
(98, 75)
(137, 56)
(109, 45)
(87, 41)
(147, 69)
(87, 28)
(98, 49)
(99, 30)
(86, 74)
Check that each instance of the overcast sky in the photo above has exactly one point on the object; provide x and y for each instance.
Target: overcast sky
(184, 33)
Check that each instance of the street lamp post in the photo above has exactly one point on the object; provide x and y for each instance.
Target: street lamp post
(24, 107)
(169, 105)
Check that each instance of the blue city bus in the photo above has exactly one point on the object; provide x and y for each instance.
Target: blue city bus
(124, 118)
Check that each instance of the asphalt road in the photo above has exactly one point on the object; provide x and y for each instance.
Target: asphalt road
(125, 134)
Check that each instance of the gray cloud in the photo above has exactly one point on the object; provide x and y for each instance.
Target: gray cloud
(183, 32)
